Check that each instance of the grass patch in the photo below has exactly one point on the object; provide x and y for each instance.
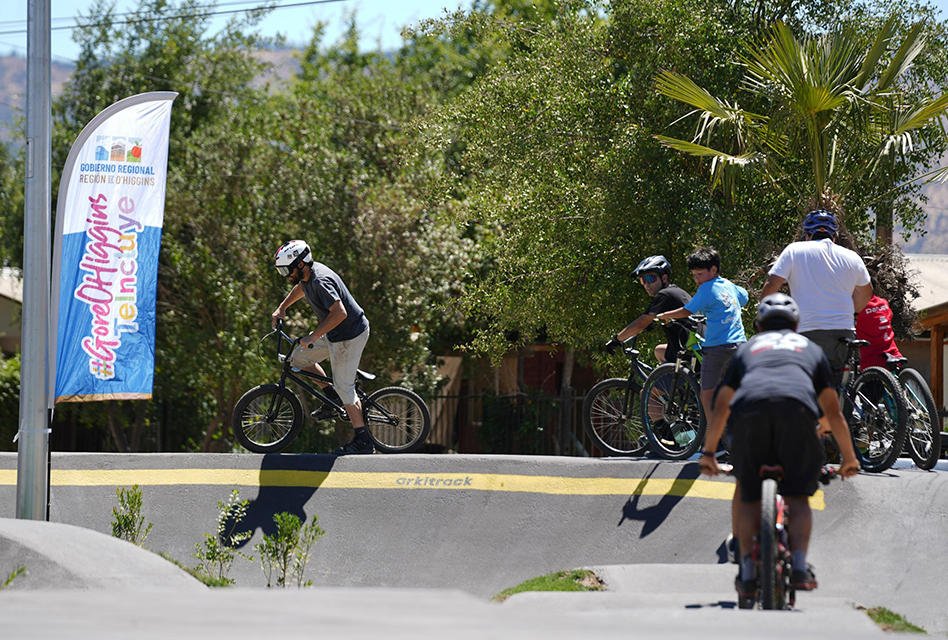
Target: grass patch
(891, 621)
(575, 580)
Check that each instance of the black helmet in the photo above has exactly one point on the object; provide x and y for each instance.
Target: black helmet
(653, 264)
(777, 310)
(820, 220)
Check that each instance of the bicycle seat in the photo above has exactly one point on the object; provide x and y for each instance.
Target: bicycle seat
(853, 342)
(774, 471)
(895, 360)
(365, 375)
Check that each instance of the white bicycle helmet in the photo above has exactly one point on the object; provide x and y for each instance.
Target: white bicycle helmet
(290, 255)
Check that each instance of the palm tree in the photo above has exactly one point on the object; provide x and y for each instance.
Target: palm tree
(829, 103)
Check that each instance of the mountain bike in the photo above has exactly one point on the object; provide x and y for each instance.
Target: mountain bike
(267, 418)
(923, 421)
(772, 552)
(874, 406)
(672, 414)
(611, 414)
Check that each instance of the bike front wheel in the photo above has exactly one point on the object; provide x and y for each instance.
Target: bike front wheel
(260, 425)
(397, 419)
(612, 418)
(877, 419)
(923, 425)
(672, 414)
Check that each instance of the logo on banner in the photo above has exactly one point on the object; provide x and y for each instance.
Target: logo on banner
(110, 284)
(118, 160)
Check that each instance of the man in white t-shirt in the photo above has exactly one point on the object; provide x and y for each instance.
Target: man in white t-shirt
(829, 283)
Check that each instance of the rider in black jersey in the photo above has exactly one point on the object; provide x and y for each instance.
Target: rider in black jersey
(778, 385)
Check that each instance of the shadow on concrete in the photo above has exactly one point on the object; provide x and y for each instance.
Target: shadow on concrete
(653, 517)
(276, 497)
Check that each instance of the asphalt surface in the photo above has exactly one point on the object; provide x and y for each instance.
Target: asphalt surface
(442, 534)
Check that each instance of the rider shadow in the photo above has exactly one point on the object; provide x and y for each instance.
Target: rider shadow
(653, 517)
(287, 483)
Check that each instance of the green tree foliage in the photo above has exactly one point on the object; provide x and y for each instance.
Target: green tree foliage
(557, 160)
(559, 167)
(253, 165)
(838, 102)
(9, 401)
(11, 209)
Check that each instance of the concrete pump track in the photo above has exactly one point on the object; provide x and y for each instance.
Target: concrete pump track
(415, 545)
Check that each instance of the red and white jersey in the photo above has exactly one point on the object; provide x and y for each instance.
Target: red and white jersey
(874, 324)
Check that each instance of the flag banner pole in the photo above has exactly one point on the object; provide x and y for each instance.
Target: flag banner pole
(109, 218)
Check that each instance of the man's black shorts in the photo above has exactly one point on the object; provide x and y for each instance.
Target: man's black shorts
(776, 431)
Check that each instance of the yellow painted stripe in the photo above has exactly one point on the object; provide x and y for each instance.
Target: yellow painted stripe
(552, 485)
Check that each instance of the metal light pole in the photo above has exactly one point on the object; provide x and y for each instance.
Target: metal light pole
(33, 436)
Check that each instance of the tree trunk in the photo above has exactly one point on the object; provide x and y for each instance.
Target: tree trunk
(140, 407)
(562, 439)
(118, 436)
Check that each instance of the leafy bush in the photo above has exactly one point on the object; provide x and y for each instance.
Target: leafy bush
(286, 553)
(128, 521)
(218, 553)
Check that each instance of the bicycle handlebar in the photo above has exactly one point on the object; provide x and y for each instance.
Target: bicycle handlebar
(828, 472)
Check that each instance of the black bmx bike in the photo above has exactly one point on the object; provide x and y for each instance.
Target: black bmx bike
(267, 418)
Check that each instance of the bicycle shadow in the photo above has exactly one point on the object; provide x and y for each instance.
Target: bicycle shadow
(654, 516)
(286, 483)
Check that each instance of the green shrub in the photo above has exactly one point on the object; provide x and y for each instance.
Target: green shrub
(218, 553)
(286, 553)
(128, 522)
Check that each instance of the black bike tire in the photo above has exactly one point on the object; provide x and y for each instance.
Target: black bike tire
(602, 418)
(768, 544)
(688, 385)
(923, 459)
(414, 420)
(899, 431)
(252, 403)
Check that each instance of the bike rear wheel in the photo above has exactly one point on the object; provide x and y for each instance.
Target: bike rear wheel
(924, 424)
(262, 427)
(397, 419)
(877, 419)
(672, 413)
(612, 418)
(770, 576)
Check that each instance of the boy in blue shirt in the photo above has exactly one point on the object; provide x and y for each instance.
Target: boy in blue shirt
(720, 300)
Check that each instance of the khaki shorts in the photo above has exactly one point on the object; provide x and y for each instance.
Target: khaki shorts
(343, 357)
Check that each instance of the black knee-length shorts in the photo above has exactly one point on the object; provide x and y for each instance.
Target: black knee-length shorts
(776, 431)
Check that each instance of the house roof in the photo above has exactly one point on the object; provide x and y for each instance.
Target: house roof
(932, 278)
(11, 284)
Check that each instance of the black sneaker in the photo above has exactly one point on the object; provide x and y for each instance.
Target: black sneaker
(355, 446)
(746, 593)
(803, 580)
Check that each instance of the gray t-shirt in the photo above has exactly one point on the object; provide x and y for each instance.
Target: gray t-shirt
(324, 288)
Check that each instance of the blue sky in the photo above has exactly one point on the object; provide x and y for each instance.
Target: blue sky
(380, 20)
